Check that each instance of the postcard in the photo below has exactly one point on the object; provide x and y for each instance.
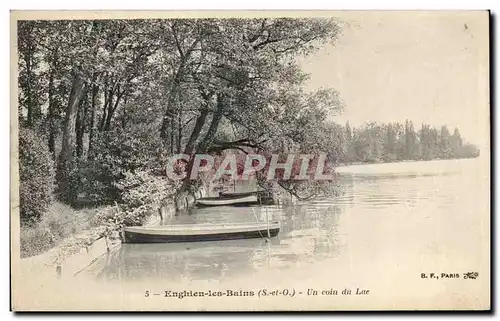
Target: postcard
(250, 161)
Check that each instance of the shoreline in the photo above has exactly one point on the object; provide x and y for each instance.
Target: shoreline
(85, 257)
(401, 161)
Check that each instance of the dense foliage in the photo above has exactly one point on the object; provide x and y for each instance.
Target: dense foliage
(395, 142)
(119, 96)
(104, 103)
(59, 222)
(115, 154)
(36, 174)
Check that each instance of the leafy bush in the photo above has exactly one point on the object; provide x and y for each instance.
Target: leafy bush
(114, 154)
(35, 240)
(142, 188)
(63, 220)
(92, 183)
(468, 150)
(142, 195)
(36, 173)
(59, 222)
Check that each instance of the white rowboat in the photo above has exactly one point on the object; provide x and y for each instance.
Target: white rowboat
(199, 232)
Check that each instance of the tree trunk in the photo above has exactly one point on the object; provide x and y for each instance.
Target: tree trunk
(164, 127)
(107, 98)
(171, 135)
(81, 119)
(51, 115)
(169, 114)
(107, 103)
(112, 108)
(214, 125)
(28, 91)
(198, 126)
(179, 131)
(204, 144)
(68, 141)
(125, 116)
(93, 106)
(167, 131)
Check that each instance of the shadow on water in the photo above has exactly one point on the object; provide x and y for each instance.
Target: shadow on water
(310, 231)
(345, 177)
(307, 233)
(211, 260)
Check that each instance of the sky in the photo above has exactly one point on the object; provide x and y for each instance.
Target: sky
(428, 67)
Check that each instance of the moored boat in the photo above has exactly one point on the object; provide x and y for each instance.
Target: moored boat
(198, 232)
(264, 197)
(244, 194)
(228, 201)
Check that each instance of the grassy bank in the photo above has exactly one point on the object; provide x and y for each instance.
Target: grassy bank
(58, 223)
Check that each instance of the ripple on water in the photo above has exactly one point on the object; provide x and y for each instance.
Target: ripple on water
(375, 200)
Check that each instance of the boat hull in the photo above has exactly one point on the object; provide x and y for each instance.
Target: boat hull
(137, 237)
(228, 201)
(235, 204)
(243, 194)
(264, 198)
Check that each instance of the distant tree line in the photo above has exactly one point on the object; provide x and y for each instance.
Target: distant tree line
(373, 143)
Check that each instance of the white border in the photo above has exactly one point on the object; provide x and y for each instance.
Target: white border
(182, 5)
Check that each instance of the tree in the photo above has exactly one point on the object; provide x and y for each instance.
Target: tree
(456, 143)
(427, 143)
(30, 98)
(411, 147)
(66, 155)
(244, 73)
(51, 44)
(390, 143)
(211, 86)
(445, 149)
(36, 176)
(362, 146)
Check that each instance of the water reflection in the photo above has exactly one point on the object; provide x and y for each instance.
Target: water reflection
(190, 260)
(311, 231)
(307, 233)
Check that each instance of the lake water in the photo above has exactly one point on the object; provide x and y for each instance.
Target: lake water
(419, 213)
